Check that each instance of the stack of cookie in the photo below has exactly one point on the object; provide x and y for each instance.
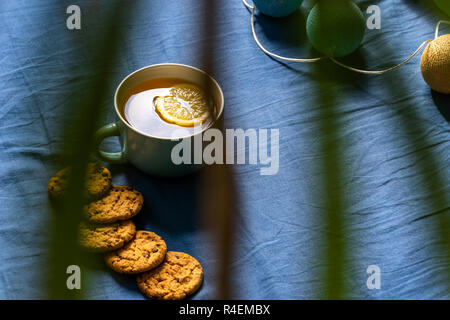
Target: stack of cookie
(107, 228)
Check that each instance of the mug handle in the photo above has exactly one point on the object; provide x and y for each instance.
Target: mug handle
(109, 130)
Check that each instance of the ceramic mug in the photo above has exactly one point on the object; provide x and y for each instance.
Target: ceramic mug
(149, 153)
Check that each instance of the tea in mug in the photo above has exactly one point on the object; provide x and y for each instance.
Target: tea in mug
(160, 107)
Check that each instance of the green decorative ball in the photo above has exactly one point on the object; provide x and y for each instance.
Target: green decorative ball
(336, 27)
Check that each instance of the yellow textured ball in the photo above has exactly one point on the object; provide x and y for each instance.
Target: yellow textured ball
(435, 64)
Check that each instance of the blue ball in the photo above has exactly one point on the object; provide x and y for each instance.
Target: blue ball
(277, 8)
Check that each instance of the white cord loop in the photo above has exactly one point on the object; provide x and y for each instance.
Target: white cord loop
(252, 20)
(373, 72)
(385, 70)
(247, 5)
(438, 25)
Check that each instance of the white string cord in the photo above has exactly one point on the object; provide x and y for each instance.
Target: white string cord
(247, 5)
(437, 27)
(252, 20)
(374, 72)
(399, 65)
(385, 70)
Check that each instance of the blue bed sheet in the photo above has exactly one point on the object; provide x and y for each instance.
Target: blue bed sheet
(391, 133)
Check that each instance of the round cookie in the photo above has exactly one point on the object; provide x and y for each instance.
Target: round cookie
(98, 182)
(105, 237)
(145, 252)
(178, 276)
(121, 203)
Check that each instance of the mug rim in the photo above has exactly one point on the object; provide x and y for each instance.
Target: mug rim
(124, 121)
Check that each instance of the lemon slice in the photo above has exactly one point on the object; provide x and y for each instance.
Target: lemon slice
(186, 105)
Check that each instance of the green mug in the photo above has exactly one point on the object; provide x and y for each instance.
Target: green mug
(149, 153)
